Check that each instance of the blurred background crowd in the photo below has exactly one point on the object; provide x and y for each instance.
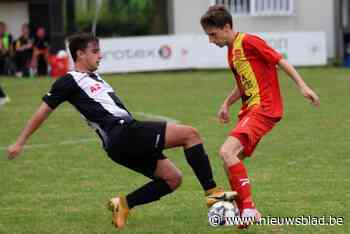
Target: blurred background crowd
(26, 55)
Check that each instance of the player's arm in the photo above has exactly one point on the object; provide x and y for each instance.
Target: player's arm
(60, 91)
(232, 97)
(33, 124)
(304, 89)
(224, 114)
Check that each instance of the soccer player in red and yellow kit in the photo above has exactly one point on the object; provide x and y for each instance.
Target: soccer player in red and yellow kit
(253, 64)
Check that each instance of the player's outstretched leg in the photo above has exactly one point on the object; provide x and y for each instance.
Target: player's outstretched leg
(168, 178)
(196, 156)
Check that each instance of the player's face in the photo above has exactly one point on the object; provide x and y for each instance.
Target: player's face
(92, 56)
(218, 36)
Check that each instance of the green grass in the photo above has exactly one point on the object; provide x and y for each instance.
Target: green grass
(300, 168)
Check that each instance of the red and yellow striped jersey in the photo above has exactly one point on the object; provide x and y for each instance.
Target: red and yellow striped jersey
(253, 64)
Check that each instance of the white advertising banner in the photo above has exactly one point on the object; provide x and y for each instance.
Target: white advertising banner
(154, 53)
(299, 48)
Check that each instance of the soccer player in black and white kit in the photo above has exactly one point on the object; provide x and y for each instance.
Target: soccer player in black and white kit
(137, 145)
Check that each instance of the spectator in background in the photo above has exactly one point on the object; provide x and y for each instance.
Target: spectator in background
(40, 52)
(23, 52)
(5, 50)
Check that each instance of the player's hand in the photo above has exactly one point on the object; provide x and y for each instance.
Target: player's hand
(223, 114)
(311, 95)
(14, 150)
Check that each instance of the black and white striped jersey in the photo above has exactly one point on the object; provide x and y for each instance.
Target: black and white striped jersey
(94, 98)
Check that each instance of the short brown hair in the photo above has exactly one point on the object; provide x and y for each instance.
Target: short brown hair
(216, 16)
(80, 41)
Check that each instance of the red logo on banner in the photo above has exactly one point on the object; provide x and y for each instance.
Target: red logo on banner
(165, 52)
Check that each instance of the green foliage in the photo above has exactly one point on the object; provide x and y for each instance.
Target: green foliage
(118, 18)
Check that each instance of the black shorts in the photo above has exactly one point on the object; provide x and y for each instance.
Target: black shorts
(137, 145)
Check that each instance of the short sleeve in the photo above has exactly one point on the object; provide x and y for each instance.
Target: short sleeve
(61, 90)
(269, 54)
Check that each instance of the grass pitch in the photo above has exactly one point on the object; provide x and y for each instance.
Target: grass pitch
(62, 181)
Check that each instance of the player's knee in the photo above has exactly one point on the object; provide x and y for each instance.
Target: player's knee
(192, 133)
(174, 180)
(224, 153)
(228, 155)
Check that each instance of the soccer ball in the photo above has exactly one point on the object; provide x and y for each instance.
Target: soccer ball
(223, 213)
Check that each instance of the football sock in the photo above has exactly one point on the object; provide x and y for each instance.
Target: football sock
(150, 192)
(199, 161)
(239, 181)
(233, 189)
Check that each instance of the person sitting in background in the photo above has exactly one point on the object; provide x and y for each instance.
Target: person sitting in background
(40, 52)
(5, 49)
(23, 52)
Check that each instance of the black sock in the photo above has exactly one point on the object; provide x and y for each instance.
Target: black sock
(150, 192)
(199, 161)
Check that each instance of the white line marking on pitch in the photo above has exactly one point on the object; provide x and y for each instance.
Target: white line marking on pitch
(88, 140)
(160, 117)
(142, 114)
(69, 142)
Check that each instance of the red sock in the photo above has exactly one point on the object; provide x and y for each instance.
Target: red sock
(239, 181)
(237, 200)
(234, 189)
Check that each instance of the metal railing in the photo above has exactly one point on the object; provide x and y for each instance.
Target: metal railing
(258, 7)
